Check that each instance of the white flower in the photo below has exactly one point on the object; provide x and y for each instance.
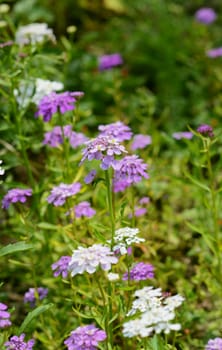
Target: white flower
(125, 237)
(136, 327)
(2, 171)
(88, 259)
(112, 276)
(33, 33)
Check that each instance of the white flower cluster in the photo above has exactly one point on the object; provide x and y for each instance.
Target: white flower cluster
(88, 259)
(124, 238)
(156, 313)
(34, 33)
(2, 171)
(35, 90)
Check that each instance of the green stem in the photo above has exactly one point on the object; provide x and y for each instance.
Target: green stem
(110, 205)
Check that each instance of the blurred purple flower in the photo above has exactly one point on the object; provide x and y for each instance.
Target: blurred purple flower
(140, 141)
(120, 185)
(144, 200)
(131, 169)
(205, 130)
(6, 43)
(182, 135)
(140, 272)
(34, 294)
(110, 61)
(102, 148)
(214, 53)
(59, 193)
(85, 338)
(77, 139)
(15, 195)
(60, 267)
(55, 102)
(84, 209)
(214, 344)
(205, 15)
(90, 177)
(54, 137)
(4, 316)
(138, 212)
(18, 343)
(118, 131)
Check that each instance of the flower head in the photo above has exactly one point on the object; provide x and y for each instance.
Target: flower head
(214, 344)
(103, 148)
(90, 177)
(34, 294)
(53, 103)
(124, 238)
(110, 61)
(88, 259)
(84, 209)
(59, 193)
(130, 169)
(182, 135)
(76, 139)
(140, 141)
(138, 211)
(34, 33)
(118, 131)
(140, 272)
(85, 338)
(15, 195)
(60, 267)
(18, 343)
(205, 15)
(54, 137)
(205, 130)
(4, 316)
(214, 53)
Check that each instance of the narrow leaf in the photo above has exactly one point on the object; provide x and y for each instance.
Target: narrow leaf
(15, 247)
(33, 314)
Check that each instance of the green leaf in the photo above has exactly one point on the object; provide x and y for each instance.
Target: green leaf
(15, 247)
(196, 182)
(33, 314)
(47, 226)
(208, 238)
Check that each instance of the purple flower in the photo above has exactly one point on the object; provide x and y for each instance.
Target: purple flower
(55, 102)
(110, 61)
(140, 141)
(214, 344)
(4, 316)
(77, 139)
(90, 177)
(103, 148)
(17, 343)
(205, 130)
(205, 15)
(15, 195)
(182, 135)
(138, 212)
(59, 193)
(120, 185)
(144, 200)
(84, 209)
(130, 169)
(34, 294)
(118, 131)
(6, 43)
(214, 53)
(60, 267)
(85, 338)
(140, 272)
(55, 137)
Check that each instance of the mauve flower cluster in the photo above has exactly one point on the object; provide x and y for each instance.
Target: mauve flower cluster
(140, 210)
(205, 130)
(140, 141)
(182, 135)
(59, 193)
(205, 15)
(214, 344)
(214, 53)
(54, 103)
(103, 148)
(85, 338)
(34, 294)
(60, 267)
(118, 131)
(140, 272)
(4, 316)
(18, 343)
(88, 259)
(15, 195)
(110, 61)
(90, 176)
(54, 137)
(84, 209)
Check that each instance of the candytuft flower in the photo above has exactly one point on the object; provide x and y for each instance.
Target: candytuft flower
(206, 130)
(140, 272)
(34, 294)
(59, 193)
(88, 259)
(34, 33)
(4, 316)
(16, 195)
(90, 176)
(118, 131)
(214, 344)
(140, 141)
(85, 338)
(84, 209)
(182, 135)
(124, 238)
(130, 169)
(103, 148)
(214, 53)
(110, 61)
(205, 15)
(18, 343)
(60, 267)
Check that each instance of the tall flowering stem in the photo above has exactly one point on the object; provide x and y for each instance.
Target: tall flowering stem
(110, 204)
